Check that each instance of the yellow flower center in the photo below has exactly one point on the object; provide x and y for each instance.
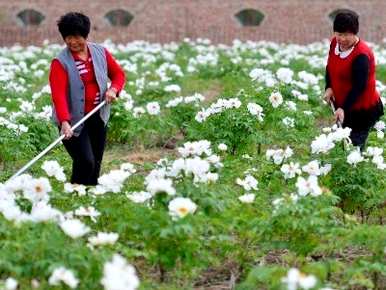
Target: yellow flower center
(183, 211)
(38, 188)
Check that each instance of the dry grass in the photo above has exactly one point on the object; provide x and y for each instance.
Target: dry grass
(122, 153)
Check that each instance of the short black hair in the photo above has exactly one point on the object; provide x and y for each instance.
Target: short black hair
(346, 21)
(74, 23)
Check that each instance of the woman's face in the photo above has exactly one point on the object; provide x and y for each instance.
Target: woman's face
(345, 39)
(75, 43)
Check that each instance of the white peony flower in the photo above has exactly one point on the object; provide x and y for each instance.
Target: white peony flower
(322, 144)
(178, 166)
(20, 183)
(249, 183)
(88, 212)
(159, 173)
(64, 275)
(290, 170)
(175, 102)
(324, 170)
(35, 283)
(291, 105)
(279, 155)
(103, 239)
(312, 168)
(308, 78)
(326, 130)
(128, 167)
(299, 95)
(74, 228)
(256, 110)
(295, 279)
(201, 116)
(99, 190)
(379, 161)
(172, 88)
(159, 185)
(113, 181)
(138, 111)
(37, 190)
(340, 134)
(180, 207)
(52, 168)
(10, 284)
(263, 76)
(70, 188)
(26, 106)
(119, 275)
(374, 151)
(380, 126)
(308, 186)
(276, 99)
(218, 107)
(277, 202)
(289, 122)
(42, 212)
(247, 198)
(213, 159)
(222, 147)
(153, 108)
(212, 177)
(196, 148)
(285, 75)
(307, 282)
(139, 197)
(276, 155)
(355, 157)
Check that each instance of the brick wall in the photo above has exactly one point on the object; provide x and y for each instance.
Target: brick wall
(299, 21)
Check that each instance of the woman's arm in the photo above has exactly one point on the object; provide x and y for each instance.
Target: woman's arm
(328, 94)
(115, 73)
(58, 80)
(327, 80)
(360, 76)
(117, 77)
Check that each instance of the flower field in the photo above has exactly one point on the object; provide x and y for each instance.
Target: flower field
(244, 181)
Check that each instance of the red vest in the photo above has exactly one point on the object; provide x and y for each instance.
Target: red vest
(340, 71)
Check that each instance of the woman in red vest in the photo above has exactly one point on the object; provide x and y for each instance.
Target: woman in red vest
(350, 79)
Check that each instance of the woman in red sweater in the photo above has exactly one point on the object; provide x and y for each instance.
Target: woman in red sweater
(350, 79)
(79, 82)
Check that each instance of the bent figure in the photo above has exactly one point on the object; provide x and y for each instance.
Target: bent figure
(350, 79)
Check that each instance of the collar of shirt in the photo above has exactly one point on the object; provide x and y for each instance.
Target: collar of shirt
(346, 53)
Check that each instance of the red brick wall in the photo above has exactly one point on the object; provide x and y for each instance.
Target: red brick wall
(299, 21)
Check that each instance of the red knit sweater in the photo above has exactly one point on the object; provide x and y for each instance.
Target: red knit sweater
(58, 79)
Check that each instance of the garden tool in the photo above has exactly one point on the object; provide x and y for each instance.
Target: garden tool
(346, 141)
(53, 144)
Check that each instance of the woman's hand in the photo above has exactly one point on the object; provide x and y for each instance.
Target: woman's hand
(66, 130)
(111, 95)
(339, 115)
(329, 95)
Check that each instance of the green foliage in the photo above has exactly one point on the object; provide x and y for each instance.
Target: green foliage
(237, 128)
(339, 236)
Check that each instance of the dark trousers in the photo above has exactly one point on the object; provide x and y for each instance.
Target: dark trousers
(361, 122)
(86, 151)
(359, 138)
